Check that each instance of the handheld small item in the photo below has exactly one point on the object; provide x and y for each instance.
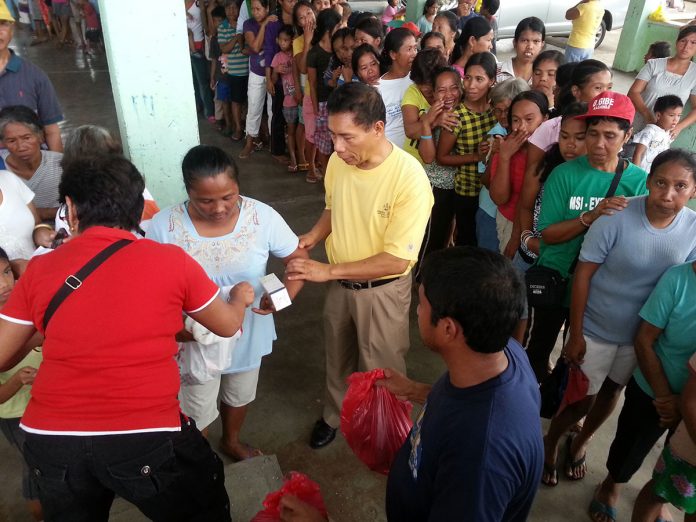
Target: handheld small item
(276, 291)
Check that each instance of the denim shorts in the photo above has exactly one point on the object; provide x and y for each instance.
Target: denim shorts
(223, 91)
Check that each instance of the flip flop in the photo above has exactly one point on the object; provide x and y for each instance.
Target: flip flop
(552, 472)
(572, 465)
(292, 168)
(597, 508)
(303, 167)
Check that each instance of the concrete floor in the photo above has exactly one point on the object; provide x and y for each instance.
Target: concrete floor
(292, 378)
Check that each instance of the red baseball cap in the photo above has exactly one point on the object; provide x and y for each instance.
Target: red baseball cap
(413, 28)
(610, 104)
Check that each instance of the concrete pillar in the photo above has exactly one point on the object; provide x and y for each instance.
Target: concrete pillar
(149, 65)
(635, 32)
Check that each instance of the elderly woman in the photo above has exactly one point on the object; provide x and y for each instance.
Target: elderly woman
(661, 76)
(109, 308)
(22, 134)
(232, 237)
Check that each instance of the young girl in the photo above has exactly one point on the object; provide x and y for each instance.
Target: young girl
(425, 22)
(339, 70)
(445, 23)
(15, 389)
(447, 95)
(254, 33)
(544, 73)
(391, 11)
(365, 62)
(282, 69)
(434, 40)
(400, 50)
(475, 120)
(304, 22)
(529, 38)
(369, 31)
(527, 111)
(476, 37)
(317, 62)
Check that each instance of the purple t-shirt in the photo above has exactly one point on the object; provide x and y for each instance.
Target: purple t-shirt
(270, 45)
(256, 62)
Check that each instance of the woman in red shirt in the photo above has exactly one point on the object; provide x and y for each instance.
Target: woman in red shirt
(104, 416)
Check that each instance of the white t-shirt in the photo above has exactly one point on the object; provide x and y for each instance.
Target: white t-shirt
(392, 92)
(505, 70)
(194, 23)
(656, 139)
(662, 82)
(16, 220)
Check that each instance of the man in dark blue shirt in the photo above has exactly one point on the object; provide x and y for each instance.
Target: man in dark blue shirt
(475, 452)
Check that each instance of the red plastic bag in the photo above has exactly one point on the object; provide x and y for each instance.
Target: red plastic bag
(373, 421)
(297, 484)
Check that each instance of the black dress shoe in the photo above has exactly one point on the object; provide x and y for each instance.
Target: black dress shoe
(322, 434)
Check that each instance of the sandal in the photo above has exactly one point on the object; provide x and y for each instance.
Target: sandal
(599, 508)
(573, 466)
(311, 178)
(302, 167)
(237, 137)
(293, 168)
(550, 475)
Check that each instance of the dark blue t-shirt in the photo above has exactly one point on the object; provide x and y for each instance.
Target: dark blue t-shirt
(475, 453)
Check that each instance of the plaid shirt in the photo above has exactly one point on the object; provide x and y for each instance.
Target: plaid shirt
(470, 131)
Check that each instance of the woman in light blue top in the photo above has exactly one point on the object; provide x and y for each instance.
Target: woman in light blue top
(231, 236)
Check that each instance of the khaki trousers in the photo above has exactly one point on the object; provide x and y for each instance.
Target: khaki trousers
(363, 330)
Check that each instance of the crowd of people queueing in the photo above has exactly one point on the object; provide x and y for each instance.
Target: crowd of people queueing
(422, 139)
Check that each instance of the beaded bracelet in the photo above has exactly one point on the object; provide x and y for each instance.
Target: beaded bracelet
(582, 220)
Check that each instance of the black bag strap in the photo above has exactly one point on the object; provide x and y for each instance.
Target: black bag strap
(73, 282)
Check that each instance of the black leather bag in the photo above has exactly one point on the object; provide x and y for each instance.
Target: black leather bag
(546, 287)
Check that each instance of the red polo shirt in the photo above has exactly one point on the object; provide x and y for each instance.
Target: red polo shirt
(109, 363)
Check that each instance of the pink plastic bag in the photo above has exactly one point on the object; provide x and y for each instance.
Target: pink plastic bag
(373, 421)
(297, 484)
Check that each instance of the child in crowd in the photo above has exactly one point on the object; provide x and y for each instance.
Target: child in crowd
(544, 73)
(219, 81)
(391, 11)
(656, 137)
(15, 389)
(346, 11)
(658, 50)
(93, 34)
(236, 61)
(283, 61)
(488, 10)
(433, 40)
(339, 70)
(425, 22)
(304, 21)
(586, 17)
(320, 5)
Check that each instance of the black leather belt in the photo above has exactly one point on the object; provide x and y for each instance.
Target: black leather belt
(361, 285)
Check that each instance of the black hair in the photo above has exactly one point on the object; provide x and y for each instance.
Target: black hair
(300, 3)
(359, 52)
(486, 61)
(584, 70)
(623, 124)
(491, 6)
(207, 161)
(106, 191)
(20, 114)
(476, 27)
(452, 19)
(266, 4)
(218, 12)
(537, 98)
(326, 21)
(432, 34)
(359, 17)
(660, 49)
(340, 34)
(288, 30)
(565, 96)
(685, 158)
(553, 157)
(428, 4)
(669, 101)
(362, 101)
(392, 43)
(548, 56)
(477, 288)
(427, 61)
(448, 69)
(686, 31)
(531, 23)
(3, 255)
(371, 26)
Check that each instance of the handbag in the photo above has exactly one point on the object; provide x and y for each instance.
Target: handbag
(546, 287)
(553, 388)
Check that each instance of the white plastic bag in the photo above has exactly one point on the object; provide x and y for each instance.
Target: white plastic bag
(206, 358)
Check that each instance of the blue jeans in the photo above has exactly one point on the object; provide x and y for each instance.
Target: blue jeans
(168, 476)
(486, 233)
(201, 81)
(573, 54)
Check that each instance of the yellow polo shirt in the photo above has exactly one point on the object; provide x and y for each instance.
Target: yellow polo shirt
(385, 209)
(586, 25)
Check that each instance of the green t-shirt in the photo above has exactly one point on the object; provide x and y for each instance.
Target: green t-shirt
(575, 187)
(14, 407)
(672, 308)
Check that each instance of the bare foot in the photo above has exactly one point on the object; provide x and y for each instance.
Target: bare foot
(239, 450)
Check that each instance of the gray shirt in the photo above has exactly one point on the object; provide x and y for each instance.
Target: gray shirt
(44, 183)
(632, 255)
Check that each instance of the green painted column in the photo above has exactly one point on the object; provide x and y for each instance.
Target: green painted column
(635, 31)
(149, 65)
(414, 10)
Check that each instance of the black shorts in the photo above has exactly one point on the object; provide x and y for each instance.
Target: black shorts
(238, 89)
(93, 35)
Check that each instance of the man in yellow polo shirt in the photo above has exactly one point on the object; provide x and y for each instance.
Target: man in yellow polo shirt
(378, 202)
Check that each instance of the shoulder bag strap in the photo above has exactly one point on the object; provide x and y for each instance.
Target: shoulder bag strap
(615, 180)
(73, 282)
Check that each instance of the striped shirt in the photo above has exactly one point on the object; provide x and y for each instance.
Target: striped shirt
(44, 183)
(237, 63)
(470, 131)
